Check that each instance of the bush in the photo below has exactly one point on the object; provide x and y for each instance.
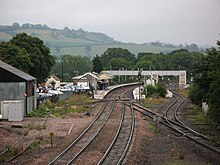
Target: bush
(159, 90)
(149, 90)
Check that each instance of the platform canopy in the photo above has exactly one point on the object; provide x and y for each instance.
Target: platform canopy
(105, 76)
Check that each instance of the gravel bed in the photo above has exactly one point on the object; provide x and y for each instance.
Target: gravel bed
(59, 126)
(166, 147)
(8, 137)
(148, 147)
(98, 147)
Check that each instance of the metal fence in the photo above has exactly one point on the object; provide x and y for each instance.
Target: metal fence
(54, 98)
(65, 95)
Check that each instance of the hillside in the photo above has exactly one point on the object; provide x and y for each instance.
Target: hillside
(78, 42)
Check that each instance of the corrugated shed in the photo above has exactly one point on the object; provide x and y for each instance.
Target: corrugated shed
(17, 85)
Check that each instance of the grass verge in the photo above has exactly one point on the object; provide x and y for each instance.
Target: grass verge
(75, 103)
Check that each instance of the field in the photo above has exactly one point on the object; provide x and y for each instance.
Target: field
(63, 44)
(99, 49)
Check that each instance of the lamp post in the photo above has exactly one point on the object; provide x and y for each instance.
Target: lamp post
(125, 75)
(119, 76)
(139, 78)
(62, 69)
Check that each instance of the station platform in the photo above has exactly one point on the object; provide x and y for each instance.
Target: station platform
(100, 94)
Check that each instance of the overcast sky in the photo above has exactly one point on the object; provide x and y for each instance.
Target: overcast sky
(140, 21)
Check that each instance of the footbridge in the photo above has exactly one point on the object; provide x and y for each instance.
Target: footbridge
(153, 74)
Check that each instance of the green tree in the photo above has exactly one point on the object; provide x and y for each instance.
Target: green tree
(200, 86)
(118, 63)
(149, 90)
(28, 54)
(15, 56)
(142, 64)
(111, 53)
(161, 90)
(38, 54)
(97, 66)
(206, 87)
(72, 66)
(196, 95)
(214, 88)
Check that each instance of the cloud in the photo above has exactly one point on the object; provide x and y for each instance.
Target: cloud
(174, 21)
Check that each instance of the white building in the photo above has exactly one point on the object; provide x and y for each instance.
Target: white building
(150, 81)
(53, 79)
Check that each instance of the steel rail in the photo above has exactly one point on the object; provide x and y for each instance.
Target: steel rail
(167, 110)
(150, 114)
(15, 143)
(18, 154)
(124, 146)
(130, 137)
(108, 98)
(115, 137)
(181, 122)
(93, 137)
(80, 136)
(18, 141)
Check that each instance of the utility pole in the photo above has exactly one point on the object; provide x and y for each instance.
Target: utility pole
(139, 78)
(62, 70)
(119, 76)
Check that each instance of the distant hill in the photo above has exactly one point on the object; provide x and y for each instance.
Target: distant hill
(81, 42)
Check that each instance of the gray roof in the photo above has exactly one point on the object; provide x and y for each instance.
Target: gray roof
(84, 76)
(8, 68)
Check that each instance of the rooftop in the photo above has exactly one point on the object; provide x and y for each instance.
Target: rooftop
(9, 73)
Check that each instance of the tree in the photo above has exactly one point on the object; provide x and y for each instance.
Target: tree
(97, 66)
(37, 26)
(206, 87)
(119, 63)
(45, 27)
(149, 90)
(15, 56)
(161, 90)
(72, 66)
(26, 26)
(196, 95)
(16, 25)
(200, 86)
(214, 86)
(111, 53)
(88, 50)
(142, 64)
(32, 56)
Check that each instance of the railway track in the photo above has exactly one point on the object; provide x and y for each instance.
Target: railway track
(21, 145)
(71, 152)
(7, 154)
(80, 145)
(119, 103)
(171, 120)
(119, 146)
(179, 100)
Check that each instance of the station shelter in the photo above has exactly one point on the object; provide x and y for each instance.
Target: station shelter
(104, 80)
